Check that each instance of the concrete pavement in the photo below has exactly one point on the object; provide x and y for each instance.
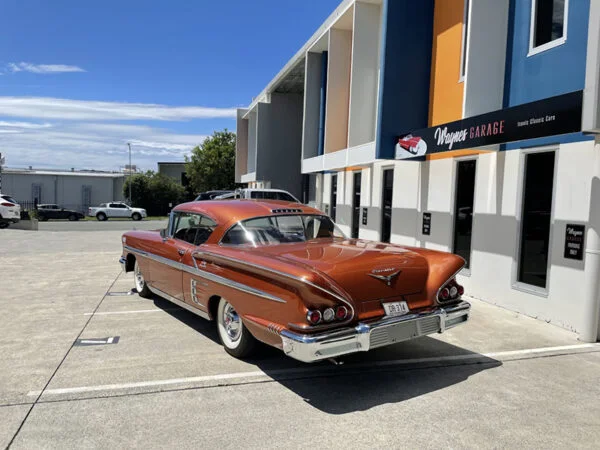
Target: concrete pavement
(503, 380)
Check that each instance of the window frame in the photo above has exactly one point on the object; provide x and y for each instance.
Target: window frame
(548, 45)
(516, 284)
(174, 215)
(464, 50)
(466, 271)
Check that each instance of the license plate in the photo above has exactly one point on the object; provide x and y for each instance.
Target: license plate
(395, 308)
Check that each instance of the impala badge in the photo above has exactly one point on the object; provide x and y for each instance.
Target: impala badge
(387, 274)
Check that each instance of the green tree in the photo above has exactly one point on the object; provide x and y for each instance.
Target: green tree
(212, 163)
(153, 192)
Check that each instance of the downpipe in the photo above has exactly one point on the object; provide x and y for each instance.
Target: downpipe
(591, 300)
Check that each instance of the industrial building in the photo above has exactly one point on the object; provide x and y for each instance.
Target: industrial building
(467, 126)
(76, 190)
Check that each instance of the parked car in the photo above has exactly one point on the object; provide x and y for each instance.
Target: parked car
(10, 211)
(116, 209)
(260, 194)
(51, 211)
(285, 275)
(209, 195)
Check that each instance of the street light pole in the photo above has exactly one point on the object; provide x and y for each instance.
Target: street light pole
(129, 145)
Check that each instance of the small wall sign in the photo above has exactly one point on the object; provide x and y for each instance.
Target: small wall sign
(426, 224)
(574, 240)
(364, 215)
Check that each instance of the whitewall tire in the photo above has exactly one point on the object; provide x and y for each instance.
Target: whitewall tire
(234, 336)
(140, 283)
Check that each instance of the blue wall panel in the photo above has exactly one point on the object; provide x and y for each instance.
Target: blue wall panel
(405, 71)
(556, 71)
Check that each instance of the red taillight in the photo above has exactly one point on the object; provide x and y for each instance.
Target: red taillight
(341, 312)
(451, 291)
(445, 294)
(7, 204)
(314, 316)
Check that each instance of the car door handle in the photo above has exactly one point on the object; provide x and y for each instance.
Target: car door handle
(181, 251)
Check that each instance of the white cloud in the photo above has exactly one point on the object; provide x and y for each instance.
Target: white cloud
(95, 146)
(65, 109)
(27, 125)
(42, 68)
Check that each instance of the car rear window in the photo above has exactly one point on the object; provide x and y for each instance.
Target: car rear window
(281, 229)
(8, 198)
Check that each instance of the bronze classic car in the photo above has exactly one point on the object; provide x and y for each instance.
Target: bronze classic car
(282, 273)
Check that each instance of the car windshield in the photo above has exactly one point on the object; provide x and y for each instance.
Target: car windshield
(281, 229)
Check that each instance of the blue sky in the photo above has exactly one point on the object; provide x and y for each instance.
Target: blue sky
(80, 79)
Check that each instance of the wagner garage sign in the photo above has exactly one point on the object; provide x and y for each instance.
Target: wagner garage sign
(548, 117)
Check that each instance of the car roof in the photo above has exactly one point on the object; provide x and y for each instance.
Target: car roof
(231, 211)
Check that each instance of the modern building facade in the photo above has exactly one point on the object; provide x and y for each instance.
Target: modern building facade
(467, 126)
(77, 190)
(174, 170)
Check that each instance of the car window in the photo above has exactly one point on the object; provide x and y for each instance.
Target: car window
(8, 198)
(118, 205)
(192, 228)
(282, 229)
(285, 196)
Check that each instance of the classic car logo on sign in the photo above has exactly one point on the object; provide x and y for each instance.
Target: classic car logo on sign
(386, 275)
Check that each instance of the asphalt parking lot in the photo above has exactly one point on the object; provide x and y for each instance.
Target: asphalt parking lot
(501, 381)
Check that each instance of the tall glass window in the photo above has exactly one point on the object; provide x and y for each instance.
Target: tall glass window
(463, 209)
(356, 204)
(535, 228)
(333, 199)
(386, 205)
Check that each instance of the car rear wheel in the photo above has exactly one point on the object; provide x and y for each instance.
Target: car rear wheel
(73, 217)
(101, 217)
(140, 284)
(3, 225)
(43, 218)
(136, 216)
(234, 336)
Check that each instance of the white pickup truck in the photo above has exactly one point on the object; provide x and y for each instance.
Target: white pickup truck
(116, 209)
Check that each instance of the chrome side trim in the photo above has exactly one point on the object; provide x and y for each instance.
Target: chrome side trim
(283, 274)
(172, 299)
(206, 275)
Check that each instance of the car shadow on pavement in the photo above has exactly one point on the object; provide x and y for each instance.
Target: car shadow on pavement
(362, 380)
(392, 374)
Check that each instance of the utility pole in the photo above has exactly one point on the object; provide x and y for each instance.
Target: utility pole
(129, 145)
(1, 162)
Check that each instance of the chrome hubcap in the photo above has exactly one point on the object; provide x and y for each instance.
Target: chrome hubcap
(139, 278)
(232, 322)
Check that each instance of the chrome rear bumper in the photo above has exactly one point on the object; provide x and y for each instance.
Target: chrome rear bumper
(366, 336)
(123, 262)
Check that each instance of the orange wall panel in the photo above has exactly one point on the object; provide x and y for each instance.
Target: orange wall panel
(446, 94)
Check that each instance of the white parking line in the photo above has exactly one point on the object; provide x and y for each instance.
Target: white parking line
(107, 313)
(275, 373)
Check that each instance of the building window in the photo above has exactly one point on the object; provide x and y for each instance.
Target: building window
(535, 222)
(548, 24)
(333, 202)
(463, 209)
(465, 38)
(356, 204)
(386, 205)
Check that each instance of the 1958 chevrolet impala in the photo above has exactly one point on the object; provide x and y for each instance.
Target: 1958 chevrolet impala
(282, 273)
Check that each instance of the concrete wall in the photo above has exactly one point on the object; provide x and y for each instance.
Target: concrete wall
(280, 142)
(252, 141)
(364, 74)
(338, 90)
(173, 171)
(312, 90)
(65, 190)
(486, 57)
(241, 146)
